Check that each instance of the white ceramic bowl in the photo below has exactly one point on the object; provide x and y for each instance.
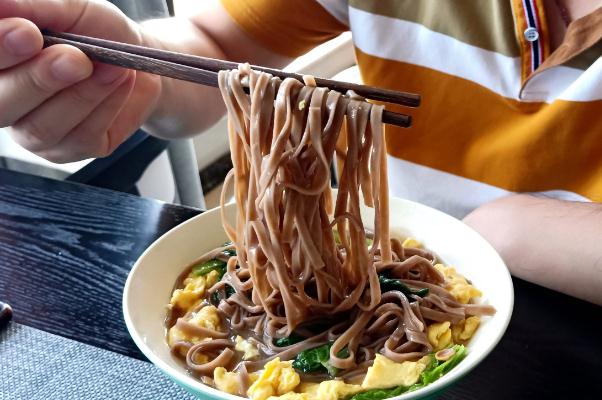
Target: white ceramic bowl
(149, 284)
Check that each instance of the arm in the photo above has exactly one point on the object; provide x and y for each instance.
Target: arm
(210, 33)
(63, 107)
(554, 243)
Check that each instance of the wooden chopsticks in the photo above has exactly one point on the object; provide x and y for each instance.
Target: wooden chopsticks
(204, 70)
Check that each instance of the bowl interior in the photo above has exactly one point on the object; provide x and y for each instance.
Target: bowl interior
(151, 282)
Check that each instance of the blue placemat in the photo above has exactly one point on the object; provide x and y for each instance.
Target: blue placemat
(38, 365)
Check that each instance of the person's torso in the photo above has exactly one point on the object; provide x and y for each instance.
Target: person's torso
(499, 113)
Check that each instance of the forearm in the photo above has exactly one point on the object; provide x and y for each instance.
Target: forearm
(185, 108)
(557, 244)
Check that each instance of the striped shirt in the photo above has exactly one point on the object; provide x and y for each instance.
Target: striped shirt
(501, 112)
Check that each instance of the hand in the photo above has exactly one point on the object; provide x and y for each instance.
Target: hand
(58, 103)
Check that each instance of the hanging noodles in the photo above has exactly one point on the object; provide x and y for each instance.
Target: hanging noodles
(302, 257)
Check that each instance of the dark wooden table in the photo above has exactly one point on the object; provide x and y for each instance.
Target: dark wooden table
(66, 250)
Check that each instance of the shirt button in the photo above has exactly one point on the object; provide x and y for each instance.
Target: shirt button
(531, 34)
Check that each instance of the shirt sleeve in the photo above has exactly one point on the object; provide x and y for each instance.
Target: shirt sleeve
(287, 27)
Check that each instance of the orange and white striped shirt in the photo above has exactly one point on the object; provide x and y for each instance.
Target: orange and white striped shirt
(500, 112)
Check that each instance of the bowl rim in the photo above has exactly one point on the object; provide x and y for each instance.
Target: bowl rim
(194, 385)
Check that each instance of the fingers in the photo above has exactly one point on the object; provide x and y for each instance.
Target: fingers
(102, 130)
(25, 87)
(56, 102)
(111, 123)
(90, 17)
(20, 40)
(51, 14)
(97, 135)
(141, 103)
(44, 127)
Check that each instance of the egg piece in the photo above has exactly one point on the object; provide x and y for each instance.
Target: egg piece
(276, 379)
(207, 317)
(328, 390)
(439, 335)
(201, 358)
(411, 242)
(465, 329)
(193, 291)
(249, 349)
(175, 335)
(457, 285)
(212, 278)
(289, 379)
(229, 382)
(310, 388)
(292, 396)
(226, 381)
(335, 390)
(385, 373)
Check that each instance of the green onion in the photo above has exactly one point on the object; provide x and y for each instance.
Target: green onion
(318, 359)
(208, 266)
(287, 341)
(387, 285)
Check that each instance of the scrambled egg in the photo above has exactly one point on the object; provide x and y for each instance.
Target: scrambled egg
(229, 382)
(226, 381)
(206, 317)
(246, 347)
(309, 388)
(276, 379)
(463, 331)
(385, 373)
(328, 390)
(193, 291)
(457, 284)
(411, 242)
(292, 396)
(439, 335)
(175, 335)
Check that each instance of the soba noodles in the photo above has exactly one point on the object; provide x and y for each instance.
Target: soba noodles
(303, 279)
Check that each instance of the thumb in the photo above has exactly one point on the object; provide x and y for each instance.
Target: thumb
(96, 18)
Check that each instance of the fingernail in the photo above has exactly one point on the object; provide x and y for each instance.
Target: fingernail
(20, 42)
(66, 69)
(107, 74)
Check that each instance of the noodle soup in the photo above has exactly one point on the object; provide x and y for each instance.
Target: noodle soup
(204, 323)
(304, 302)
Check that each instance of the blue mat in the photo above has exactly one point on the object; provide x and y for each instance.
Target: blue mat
(38, 365)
